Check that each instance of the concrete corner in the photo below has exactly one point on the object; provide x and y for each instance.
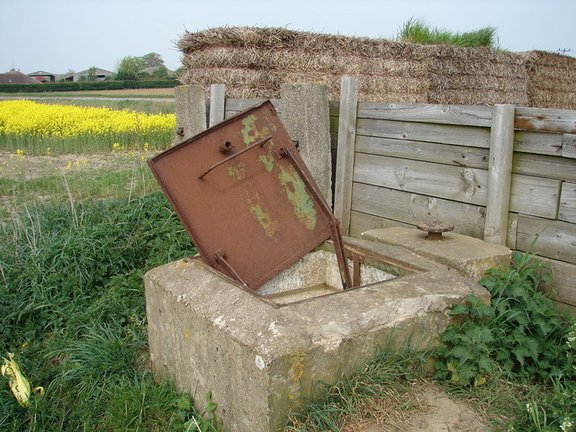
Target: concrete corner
(471, 257)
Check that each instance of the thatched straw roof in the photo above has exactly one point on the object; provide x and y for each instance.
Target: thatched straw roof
(253, 62)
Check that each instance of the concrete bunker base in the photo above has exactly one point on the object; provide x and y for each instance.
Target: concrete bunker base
(260, 360)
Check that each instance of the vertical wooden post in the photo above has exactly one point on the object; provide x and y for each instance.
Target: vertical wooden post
(190, 111)
(217, 103)
(345, 153)
(499, 174)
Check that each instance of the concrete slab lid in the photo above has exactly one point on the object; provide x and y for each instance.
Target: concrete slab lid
(245, 196)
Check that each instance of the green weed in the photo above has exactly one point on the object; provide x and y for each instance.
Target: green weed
(521, 332)
(521, 338)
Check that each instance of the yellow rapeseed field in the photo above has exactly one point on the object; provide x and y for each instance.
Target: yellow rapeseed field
(24, 123)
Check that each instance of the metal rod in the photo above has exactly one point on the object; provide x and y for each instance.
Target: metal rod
(220, 256)
(357, 276)
(229, 158)
(334, 224)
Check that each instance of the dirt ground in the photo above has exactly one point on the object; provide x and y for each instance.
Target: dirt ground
(437, 413)
(18, 167)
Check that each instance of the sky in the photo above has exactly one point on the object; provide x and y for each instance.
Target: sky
(63, 35)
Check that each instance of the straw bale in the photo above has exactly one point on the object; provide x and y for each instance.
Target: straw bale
(551, 80)
(253, 62)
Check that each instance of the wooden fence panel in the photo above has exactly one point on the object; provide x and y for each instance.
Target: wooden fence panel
(535, 196)
(471, 157)
(567, 210)
(411, 208)
(549, 238)
(538, 143)
(427, 132)
(439, 114)
(467, 185)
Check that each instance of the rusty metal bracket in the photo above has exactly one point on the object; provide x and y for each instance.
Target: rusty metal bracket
(235, 155)
(221, 256)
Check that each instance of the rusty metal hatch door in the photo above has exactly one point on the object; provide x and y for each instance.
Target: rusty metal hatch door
(246, 198)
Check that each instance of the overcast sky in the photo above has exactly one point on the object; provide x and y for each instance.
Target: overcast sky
(62, 35)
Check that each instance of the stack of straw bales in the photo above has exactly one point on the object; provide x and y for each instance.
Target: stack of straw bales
(253, 63)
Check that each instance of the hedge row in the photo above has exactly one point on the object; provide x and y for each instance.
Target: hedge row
(87, 85)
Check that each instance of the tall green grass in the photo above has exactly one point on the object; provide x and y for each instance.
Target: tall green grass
(72, 310)
(132, 180)
(417, 31)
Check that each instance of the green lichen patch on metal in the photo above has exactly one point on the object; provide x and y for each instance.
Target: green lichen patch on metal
(237, 170)
(250, 133)
(269, 225)
(268, 161)
(249, 129)
(298, 196)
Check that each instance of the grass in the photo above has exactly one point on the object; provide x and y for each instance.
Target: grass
(147, 106)
(139, 93)
(134, 179)
(72, 310)
(417, 31)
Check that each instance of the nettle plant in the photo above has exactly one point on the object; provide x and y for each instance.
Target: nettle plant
(521, 333)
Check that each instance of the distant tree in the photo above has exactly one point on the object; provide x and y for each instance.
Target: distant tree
(129, 67)
(92, 74)
(152, 60)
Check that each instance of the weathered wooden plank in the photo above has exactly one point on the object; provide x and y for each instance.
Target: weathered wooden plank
(563, 287)
(567, 210)
(555, 167)
(569, 146)
(535, 196)
(234, 106)
(443, 134)
(538, 143)
(512, 230)
(413, 208)
(548, 238)
(217, 103)
(549, 120)
(442, 114)
(346, 151)
(472, 157)
(360, 222)
(529, 195)
(467, 185)
(499, 174)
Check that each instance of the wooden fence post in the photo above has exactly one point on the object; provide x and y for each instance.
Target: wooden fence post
(345, 153)
(217, 103)
(499, 174)
(190, 111)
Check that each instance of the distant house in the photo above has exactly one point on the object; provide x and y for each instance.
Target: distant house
(92, 74)
(43, 76)
(16, 77)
